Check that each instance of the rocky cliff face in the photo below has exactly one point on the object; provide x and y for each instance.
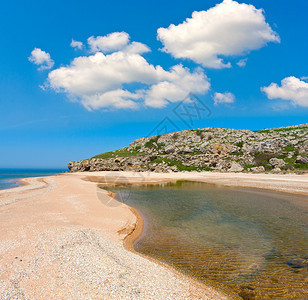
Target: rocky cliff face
(209, 149)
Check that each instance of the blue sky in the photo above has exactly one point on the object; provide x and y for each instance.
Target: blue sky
(81, 111)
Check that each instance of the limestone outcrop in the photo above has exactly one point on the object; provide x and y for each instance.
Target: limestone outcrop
(208, 149)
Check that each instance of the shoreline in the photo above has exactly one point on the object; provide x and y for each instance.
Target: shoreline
(136, 232)
(21, 181)
(284, 183)
(133, 233)
(58, 226)
(69, 211)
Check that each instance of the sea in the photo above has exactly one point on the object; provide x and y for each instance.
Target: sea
(9, 177)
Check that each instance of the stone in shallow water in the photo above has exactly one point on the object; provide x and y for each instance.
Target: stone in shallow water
(298, 263)
(247, 293)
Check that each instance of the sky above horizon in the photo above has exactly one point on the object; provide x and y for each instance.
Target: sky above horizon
(78, 79)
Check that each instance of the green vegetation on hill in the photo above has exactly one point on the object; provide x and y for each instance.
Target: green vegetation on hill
(179, 165)
(124, 152)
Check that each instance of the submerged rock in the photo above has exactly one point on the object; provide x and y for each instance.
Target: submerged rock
(298, 263)
(247, 293)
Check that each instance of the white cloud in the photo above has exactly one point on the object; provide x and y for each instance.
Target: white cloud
(223, 98)
(41, 58)
(291, 89)
(137, 48)
(178, 83)
(304, 78)
(102, 80)
(76, 44)
(111, 42)
(115, 98)
(100, 73)
(242, 63)
(227, 29)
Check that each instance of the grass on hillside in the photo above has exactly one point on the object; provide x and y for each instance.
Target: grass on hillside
(301, 167)
(179, 165)
(303, 128)
(119, 153)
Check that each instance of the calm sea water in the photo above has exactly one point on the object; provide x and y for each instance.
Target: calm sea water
(9, 177)
(249, 243)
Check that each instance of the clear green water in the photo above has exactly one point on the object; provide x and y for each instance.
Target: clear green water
(249, 243)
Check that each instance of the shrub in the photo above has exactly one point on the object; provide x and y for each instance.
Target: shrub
(237, 153)
(301, 166)
(200, 133)
(151, 142)
(262, 159)
(240, 144)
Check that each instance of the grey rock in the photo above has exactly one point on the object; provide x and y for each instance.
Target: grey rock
(276, 162)
(301, 160)
(259, 169)
(169, 149)
(305, 144)
(235, 167)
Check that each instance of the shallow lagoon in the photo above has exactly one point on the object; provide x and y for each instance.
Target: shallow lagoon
(252, 244)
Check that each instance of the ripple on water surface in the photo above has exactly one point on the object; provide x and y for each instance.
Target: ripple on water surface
(251, 244)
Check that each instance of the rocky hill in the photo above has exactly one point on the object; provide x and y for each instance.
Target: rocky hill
(209, 149)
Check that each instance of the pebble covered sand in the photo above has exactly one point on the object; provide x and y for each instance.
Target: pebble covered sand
(83, 264)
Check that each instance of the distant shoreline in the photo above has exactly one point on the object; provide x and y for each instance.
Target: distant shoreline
(286, 183)
(13, 177)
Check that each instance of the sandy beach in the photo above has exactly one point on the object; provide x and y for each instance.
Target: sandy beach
(62, 237)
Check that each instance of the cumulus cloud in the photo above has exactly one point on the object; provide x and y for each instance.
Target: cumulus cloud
(76, 44)
(228, 29)
(291, 89)
(176, 85)
(103, 80)
(226, 97)
(242, 63)
(98, 73)
(41, 58)
(115, 98)
(111, 42)
(137, 48)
